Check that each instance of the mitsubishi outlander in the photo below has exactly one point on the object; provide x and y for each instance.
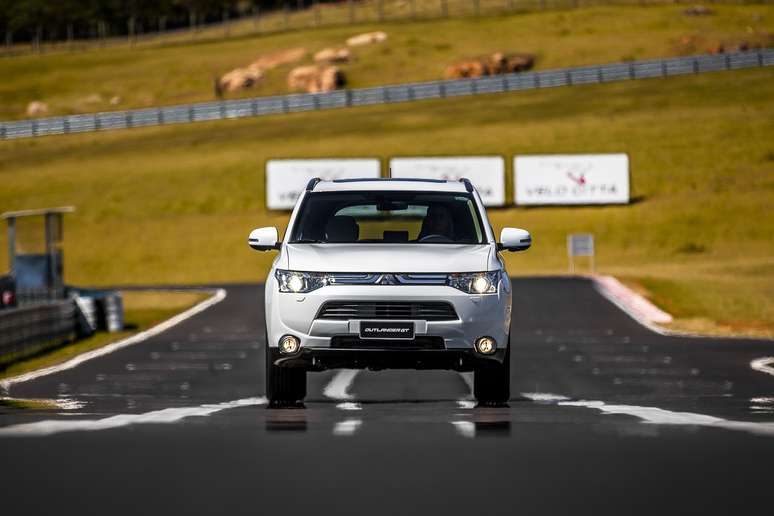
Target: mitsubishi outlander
(388, 273)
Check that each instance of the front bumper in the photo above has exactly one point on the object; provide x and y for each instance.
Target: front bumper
(321, 359)
(478, 315)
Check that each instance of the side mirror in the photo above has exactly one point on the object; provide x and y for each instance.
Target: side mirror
(264, 239)
(514, 239)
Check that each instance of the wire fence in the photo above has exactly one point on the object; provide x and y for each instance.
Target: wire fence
(295, 15)
(258, 106)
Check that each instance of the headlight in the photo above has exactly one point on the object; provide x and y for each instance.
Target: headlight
(476, 282)
(299, 282)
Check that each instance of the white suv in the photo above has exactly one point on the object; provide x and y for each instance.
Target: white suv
(388, 273)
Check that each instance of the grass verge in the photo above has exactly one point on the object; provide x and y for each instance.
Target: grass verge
(142, 311)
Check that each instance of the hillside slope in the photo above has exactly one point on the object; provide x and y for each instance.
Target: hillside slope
(414, 51)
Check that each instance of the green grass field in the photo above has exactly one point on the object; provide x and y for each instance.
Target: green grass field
(175, 204)
(415, 51)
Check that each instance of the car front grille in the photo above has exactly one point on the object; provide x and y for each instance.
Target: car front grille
(398, 310)
(355, 342)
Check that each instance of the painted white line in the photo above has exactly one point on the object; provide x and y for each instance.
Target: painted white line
(634, 305)
(347, 427)
(658, 416)
(545, 397)
(338, 388)
(764, 365)
(218, 296)
(465, 428)
(164, 416)
(469, 400)
(348, 405)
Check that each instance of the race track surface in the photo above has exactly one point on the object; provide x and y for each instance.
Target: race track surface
(606, 417)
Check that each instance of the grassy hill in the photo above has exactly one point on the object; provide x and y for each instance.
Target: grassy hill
(174, 204)
(415, 51)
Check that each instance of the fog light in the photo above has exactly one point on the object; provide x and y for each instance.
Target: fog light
(486, 345)
(289, 345)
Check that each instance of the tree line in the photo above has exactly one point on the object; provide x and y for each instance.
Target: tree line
(35, 21)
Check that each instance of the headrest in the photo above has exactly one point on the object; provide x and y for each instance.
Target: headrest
(342, 228)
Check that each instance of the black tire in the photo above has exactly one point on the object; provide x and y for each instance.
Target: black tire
(492, 382)
(285, 386)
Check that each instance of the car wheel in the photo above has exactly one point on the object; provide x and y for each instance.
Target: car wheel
(285, 386)
(492, 382)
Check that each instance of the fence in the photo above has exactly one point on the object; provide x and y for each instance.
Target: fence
(27, 330)
(259, 106)
(295, 15)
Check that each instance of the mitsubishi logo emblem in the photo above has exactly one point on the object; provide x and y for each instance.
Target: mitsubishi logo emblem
(387, 279)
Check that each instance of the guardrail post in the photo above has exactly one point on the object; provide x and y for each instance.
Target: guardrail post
(34, 128)
(190, 113)
(160, 116)
(285, 105)
(631, 71)
(254, 107)
(474, 86)
(316, 101)
(727, 61)
(600, 76)
(97, 125)
(663, 68)
(410, 92)
(442, 90)
(348, 97)
(695, 63)
(2, 131)
(568, 77)
(506, 86)
(129, 119)
(385, 95)
(222, 110)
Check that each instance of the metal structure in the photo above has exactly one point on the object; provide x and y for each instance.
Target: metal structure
(35, 253)
(258, 106)
(580, 244)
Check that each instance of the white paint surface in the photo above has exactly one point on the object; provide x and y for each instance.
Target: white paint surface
(630, 301)
(347, 427)
(465, 428)
(218, 296)
(163, 416)
(287, 178)
(338, 387)
(764, 365)
(659, 416)
(571, 179)
(487, 173)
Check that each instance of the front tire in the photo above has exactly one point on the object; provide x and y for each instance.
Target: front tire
(492, 382)
(285, 386)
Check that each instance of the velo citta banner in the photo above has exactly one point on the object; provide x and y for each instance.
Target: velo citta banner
(565, 179)
(287, 178)
(487, 173)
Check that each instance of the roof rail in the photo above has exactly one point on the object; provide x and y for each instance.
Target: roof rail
(467, 183)
(312, 183)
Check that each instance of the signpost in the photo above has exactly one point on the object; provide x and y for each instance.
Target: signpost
(287, 178)
(487, 173)
(571, 179)
(580, 244)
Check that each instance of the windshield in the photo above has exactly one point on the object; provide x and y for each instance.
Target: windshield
(388, 217)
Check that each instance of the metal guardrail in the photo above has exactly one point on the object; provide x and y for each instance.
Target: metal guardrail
(30, 329)
(258, 106)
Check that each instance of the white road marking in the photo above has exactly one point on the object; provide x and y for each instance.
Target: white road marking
(218, 296)
(465, 428)
(658, 416)
(469, 401)
(544, 397)
(764, 365)
(347, 427)
(338, 388)
(168, 415)
(348, 405)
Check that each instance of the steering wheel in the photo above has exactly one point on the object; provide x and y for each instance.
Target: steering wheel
(435, 238)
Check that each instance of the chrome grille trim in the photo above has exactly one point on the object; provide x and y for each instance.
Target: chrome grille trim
(388, 310)
(346, 278)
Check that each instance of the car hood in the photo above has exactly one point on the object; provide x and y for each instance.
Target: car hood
(390, 258)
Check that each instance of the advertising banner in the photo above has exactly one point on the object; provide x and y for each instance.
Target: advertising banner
(287, 178)
(487, 173)
(571, 179)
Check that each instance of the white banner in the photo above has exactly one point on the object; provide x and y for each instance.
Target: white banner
(287, 178)
(571, 179)
(487, 173)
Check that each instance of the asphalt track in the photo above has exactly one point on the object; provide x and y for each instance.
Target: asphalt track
(606, 417)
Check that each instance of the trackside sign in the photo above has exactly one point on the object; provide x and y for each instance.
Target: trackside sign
(571, 179)
(487, 173)
(287, 178)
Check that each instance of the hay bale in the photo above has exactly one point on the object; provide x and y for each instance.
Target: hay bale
(367, 38)
(465, 69)
(240, 79)
(37, 108)
(315, 78)
(333, 55)
(494, 64)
